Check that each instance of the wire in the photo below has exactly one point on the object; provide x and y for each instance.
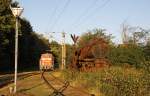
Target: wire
(52, 16)
(59, 15)
(85, 12)
(92, 14)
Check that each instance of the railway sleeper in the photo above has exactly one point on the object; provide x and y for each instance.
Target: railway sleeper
(56, 92)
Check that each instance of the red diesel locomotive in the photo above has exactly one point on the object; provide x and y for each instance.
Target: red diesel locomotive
(46, 61)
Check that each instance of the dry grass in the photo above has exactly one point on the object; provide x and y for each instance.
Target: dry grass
(35, 86)
(31, 85)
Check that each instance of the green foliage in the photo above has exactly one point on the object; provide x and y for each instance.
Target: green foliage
(69, 54)
(146, 65)
(91, 34)
(6, 21)
(31, 45)
(130, 55)
(6, 34)
(146, 51)
(56, 50)
(124, 82)
(113, 81)
(35, 46)
(83, 79)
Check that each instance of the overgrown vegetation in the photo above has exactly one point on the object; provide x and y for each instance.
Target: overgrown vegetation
(131, 55)
(128, 75)
(113, 81)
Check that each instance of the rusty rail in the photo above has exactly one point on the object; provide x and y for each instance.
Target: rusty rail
(5, 80)
(56, 92)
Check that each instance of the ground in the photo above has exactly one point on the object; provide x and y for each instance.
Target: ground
(35, 86)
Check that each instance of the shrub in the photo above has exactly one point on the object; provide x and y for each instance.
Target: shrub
(113, 81)
(124, 82)
(132, 55)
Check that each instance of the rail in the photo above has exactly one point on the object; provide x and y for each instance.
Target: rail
(5, 80)
(56, 92)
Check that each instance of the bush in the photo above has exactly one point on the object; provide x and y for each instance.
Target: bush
(83, 79)
(113, 81)
(124, 82)
(131, 55)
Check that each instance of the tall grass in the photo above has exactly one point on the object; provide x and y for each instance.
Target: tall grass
(113, 81)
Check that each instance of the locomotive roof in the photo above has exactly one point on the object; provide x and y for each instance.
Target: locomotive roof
(46, 55)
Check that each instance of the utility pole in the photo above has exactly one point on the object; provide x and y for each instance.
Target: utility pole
(63, 65)
(17, 11)
(63, 48)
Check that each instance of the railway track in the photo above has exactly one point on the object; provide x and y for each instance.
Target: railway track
(7, 79)
(64, 88)
(56, 85)
(56, 92)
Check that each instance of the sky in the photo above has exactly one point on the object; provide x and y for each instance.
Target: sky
(79, 16)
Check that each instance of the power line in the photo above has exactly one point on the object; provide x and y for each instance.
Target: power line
(59, 15)
(91, 14)
(52, 16)
(85, 12)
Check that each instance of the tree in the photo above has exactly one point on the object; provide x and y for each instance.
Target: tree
(140, 36)
(56, 50)
(69, 54)
(31, 45)
(100, 49)
(130, 55)
(6, 34)
(136, 35)
(91, 34)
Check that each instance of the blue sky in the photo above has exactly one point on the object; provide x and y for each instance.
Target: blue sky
(78, 16)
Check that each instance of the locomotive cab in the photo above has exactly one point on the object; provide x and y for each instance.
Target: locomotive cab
(46, 61)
